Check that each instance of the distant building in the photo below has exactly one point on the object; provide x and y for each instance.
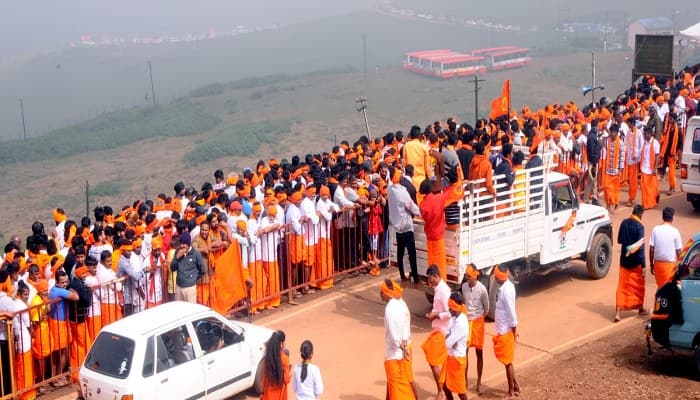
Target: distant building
(649, 26)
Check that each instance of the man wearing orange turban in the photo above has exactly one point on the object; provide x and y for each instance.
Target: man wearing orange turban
(309, 225)
(77, 317)
(506, 323)
(434, 346)
(397, 359)
(325, 208)
(269, 242)
(476, 298)
(456, 342)
(613, 164)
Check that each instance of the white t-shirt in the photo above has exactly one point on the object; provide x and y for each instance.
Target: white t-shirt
(665, 239)
(457, 336)
(312, 387)
(505, 317)
(397, 324)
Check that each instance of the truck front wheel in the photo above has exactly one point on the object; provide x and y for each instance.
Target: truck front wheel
(599, 256)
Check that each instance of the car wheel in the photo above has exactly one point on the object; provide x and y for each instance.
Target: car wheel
(257, 385)
(599, 256)
(696, 204)
(696, 359)
(492, 288)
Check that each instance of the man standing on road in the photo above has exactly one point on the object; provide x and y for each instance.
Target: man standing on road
(664, 248)
(434, 346)
(476, 298)
(506, 323)
(397, 364)
(630, 285)
(590, 191)
(401, 212)
(647, 165)
(456, 342)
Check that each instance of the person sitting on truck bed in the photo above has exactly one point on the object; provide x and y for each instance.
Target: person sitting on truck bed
(505, 168)
(535, 161)
(432, 210)
(480, 168)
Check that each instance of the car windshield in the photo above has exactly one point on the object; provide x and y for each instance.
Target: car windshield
(696, 140)
(111, 355)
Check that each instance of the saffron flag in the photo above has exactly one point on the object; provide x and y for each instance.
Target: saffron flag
(228, 284)
(501, 105)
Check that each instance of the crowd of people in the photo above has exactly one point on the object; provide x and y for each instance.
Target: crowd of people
(288, 227)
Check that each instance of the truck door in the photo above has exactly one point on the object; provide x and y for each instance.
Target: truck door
(561, 211)
(690, 160)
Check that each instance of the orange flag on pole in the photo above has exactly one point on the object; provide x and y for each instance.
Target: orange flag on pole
(228, 284)
(501, 105)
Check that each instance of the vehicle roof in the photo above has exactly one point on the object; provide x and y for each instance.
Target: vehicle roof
(510, 51)
(457, 58)
(557, 176)
(428, 52)
(493, 49)
(142, 323)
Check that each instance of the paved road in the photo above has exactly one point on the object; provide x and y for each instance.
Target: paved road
(556, 312)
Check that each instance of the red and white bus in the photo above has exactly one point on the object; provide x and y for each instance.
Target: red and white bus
(456, 65)
(418, 61)
(443, 63)
(505, 57)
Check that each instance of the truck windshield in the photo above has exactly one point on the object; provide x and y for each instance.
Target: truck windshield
(111, 355)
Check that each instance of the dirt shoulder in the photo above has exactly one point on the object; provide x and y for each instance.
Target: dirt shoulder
(615, 366)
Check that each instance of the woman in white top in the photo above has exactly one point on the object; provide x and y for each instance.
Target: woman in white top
(306, 380)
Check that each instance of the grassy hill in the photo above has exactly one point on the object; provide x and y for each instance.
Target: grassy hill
(232, 125)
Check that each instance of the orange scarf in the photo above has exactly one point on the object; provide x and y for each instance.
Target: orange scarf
(665, 138)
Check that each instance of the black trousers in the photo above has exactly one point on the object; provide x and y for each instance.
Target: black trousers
(406, 242)
(6, 387)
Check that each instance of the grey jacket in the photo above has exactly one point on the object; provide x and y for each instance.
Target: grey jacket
(189, 268)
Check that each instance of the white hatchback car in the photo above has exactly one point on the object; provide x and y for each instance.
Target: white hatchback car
(177, 350)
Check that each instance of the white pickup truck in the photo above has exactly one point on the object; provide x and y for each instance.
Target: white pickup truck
(540, 228)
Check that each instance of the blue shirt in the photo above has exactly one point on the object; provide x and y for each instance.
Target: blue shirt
(58, 310)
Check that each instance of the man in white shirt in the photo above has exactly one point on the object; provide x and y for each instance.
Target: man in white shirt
(108, 289)
(397, 342)
(647, 165)
(402, 209)
(325, 208)
(456, 342)
(664, 249)
(506, 323)
(476, 298)
(309, 229)
(633, 147)
(434, 346)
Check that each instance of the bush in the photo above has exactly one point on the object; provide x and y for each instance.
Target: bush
(106, 188)
(111, 130)
(232, 105)
(238, 140)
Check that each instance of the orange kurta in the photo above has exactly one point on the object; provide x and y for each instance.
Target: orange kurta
(272, 283)
(456, 369)
(476, 333)
(435, 349)
(324, 264)
(504, 347)
(663, 272)
(630, 289)
(80, 337)
(397, 381)
(271, 392)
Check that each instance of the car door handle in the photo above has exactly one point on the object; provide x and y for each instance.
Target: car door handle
(164, 380)
(210, 362)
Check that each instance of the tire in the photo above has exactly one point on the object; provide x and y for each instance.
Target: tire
(257, 384)
(696, 204)
(696, 360)
(492, 288)
(599, 256)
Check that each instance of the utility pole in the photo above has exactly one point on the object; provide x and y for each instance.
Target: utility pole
(362, 101)
(87, 198)
(24, 126)
(364, 55)
(593, 77)
(476, 81)
(153, 89)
